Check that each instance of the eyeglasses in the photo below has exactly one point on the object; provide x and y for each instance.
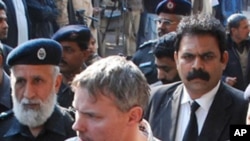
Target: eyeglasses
(165, 21)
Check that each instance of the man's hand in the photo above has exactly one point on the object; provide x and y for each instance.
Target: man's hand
(231, 80)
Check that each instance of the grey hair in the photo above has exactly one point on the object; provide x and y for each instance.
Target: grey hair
(56, 71)
(116, 78)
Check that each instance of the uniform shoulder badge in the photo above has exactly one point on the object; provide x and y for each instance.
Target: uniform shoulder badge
(6, 114)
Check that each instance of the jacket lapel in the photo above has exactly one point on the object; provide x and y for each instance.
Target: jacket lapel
(217, 117)
(175, 106)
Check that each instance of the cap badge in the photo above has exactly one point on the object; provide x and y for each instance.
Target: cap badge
(41, 54)
(170, 5)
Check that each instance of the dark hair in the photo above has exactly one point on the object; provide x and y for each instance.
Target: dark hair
(165, 46)
(234, 20)
(3, 6)
(201, 24)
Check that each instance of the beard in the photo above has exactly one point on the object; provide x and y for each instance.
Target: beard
(34, 117)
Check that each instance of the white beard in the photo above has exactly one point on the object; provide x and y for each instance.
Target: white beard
(30, 117)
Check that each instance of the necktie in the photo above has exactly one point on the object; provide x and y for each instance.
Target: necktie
(191, 133)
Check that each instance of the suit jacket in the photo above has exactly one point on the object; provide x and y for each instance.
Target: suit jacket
(6, 50)
(228, 107)
(12, 22)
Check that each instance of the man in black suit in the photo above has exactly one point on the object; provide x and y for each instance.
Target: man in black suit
(200, 57)
(3, 34)
(18, 21)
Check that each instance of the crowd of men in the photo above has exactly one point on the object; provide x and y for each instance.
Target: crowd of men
(190, 83)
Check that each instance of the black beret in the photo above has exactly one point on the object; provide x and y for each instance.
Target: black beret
(74, 33)
(38, 51)
(178, 7)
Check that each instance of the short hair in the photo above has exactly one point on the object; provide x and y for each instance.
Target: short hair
(234, 20)
(165, 46)
(116, 78)
(3, 6)
(201, 24)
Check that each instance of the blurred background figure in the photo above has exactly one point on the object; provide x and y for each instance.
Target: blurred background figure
(237, 72)
(169, 13)
(164, 59)
(19, 23)
(43, 14)
(147, 29)
(78, 44)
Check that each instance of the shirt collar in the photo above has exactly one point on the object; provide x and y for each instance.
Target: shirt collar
(146, 129)
(204, 101)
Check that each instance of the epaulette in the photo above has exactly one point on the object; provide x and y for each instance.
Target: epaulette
(149, 42)
(6, 114)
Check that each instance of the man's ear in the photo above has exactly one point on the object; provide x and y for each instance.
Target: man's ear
(135, 115)
(176, 57)
(58, 82)
(1, 60)
(225, 57)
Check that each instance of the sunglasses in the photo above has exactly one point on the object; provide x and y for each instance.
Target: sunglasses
(165, 21)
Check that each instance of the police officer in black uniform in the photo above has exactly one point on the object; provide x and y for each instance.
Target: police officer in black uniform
(75, 41)
(169, 12)
(35, 80)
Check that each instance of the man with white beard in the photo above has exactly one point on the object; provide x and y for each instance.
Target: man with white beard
(35, 80)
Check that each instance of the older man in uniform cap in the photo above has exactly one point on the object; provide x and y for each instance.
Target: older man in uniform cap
(75, 41)
(169, 13)
(35, 80)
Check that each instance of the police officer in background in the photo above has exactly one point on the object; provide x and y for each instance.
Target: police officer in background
(164, 59)
(77, 42)
(35, 81)
(169, 12)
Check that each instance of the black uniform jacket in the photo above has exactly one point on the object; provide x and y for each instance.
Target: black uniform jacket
(57, 128)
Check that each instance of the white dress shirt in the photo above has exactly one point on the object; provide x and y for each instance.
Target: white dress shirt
(22, 24)
(201, 113)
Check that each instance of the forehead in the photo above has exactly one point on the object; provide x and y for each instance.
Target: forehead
(26, 70)
(198, 43)
(167, 61)
(69, 44)
(83, 100)
(171, 17)
(2, 14)
(244, 23)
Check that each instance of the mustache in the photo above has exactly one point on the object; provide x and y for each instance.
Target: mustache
(198, 74)
(27, 101)
(63, 62)
(161, 32)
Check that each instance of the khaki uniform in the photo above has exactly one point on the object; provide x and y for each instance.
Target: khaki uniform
(62, 5)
